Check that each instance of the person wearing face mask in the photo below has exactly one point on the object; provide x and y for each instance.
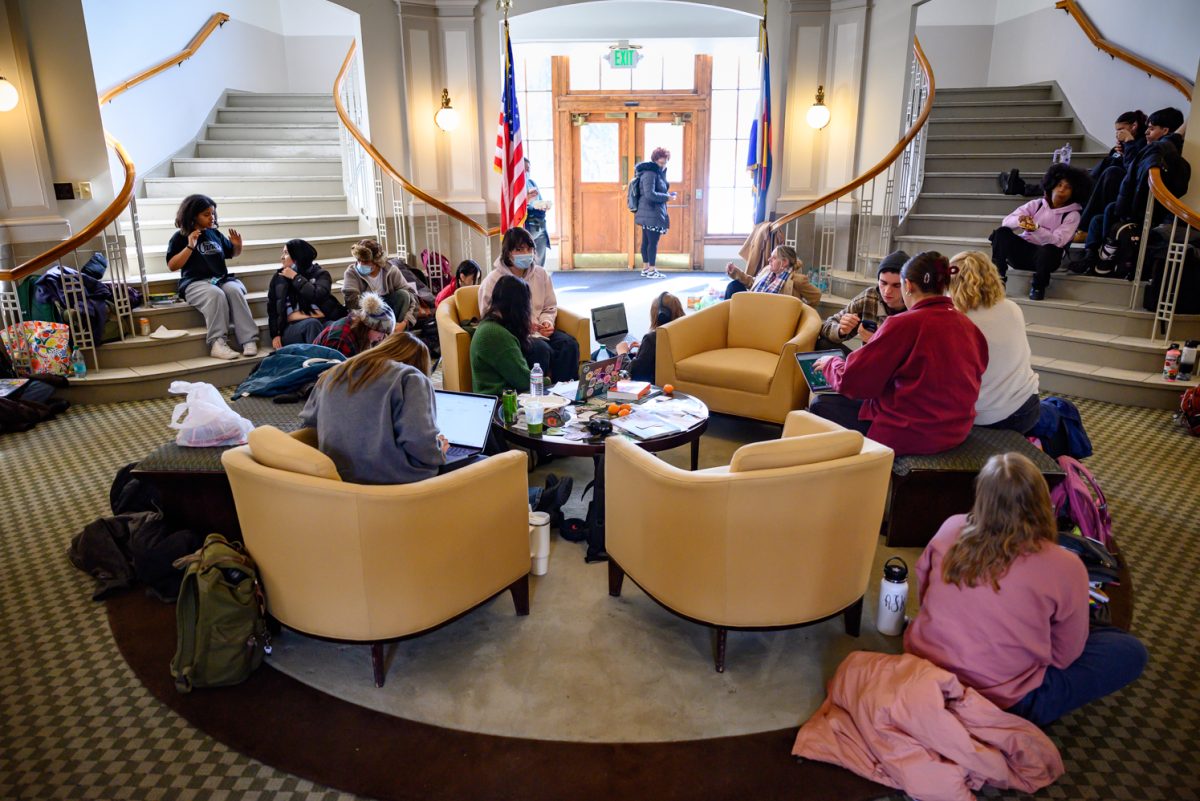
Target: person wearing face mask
(651, 214)
(300, 302)
(371, 272)
(913, 387)
(367, 326)
(555, 351)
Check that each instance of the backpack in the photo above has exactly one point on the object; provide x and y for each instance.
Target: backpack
(1080, 502)
(1118, 255)
(633, 193)
(220, 617)
(1189, 411)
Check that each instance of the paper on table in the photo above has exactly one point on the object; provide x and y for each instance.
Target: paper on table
(565, 389)
(645, 425)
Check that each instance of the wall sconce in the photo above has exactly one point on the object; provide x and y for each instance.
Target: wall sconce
(446, 117)
(8, 95)
(818, 113)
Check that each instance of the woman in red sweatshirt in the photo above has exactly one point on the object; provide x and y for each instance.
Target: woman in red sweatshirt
(913, 386)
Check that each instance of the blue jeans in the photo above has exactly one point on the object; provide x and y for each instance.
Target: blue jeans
(1110, 660)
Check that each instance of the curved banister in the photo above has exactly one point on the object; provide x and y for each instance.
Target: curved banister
(385, 165)
(113, 210)
(1071, 7)
(1170, 202)
(885, 162)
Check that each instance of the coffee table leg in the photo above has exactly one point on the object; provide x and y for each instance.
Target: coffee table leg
(695, 453)
(595, 538)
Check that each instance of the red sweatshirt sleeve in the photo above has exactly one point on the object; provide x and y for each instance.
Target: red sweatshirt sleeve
(868, 371)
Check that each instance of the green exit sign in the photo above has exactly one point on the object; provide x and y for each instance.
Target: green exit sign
(624, 58)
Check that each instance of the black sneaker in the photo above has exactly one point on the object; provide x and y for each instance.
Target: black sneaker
(1037, 294)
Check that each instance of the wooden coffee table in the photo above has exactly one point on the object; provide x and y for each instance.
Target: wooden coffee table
(555, 445)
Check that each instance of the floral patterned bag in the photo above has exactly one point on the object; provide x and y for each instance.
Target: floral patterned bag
(37, 347)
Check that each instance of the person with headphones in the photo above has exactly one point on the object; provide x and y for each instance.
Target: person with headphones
(665, 308)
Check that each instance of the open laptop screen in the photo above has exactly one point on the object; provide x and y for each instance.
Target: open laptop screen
(609, 322)
(463, 418)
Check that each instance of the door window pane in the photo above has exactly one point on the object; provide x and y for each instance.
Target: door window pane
(720, 211)
(670, 136)
(537, 116)
(724, 113)
(722, 163)
(599, 148)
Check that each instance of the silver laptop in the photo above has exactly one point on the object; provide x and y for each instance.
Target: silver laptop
(464, 419)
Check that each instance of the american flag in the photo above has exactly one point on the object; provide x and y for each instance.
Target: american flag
(510, 155)
(759, 160)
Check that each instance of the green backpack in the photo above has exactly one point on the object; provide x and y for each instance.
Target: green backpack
(220, 617)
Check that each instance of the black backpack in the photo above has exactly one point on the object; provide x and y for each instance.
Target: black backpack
(633, 193)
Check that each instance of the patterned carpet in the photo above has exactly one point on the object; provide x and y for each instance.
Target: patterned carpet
(75, 723)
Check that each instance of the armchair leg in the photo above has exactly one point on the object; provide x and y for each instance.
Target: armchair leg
(377, 663)
(852, 617)
(616, 577)
(520, 594)
(720, 649)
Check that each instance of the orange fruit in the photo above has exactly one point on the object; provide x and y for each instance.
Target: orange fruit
(669, 389)
(625, 407)
(624, 413)
(613, 408)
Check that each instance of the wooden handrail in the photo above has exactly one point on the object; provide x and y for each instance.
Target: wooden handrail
(1170, 202)
(385, 165)
(214, 22)
(114, 209)
(1071, 7)
(885, 162)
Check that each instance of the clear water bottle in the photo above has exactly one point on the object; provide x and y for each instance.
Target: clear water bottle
(78, 365)
(893, 597)
(537, 384)
(1066, 153)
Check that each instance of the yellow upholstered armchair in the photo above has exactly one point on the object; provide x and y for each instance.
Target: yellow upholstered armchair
(456, 342)
(369, 563)
(783, 536)
(739, 356)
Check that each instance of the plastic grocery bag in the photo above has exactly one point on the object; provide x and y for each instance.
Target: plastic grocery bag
(209, 422)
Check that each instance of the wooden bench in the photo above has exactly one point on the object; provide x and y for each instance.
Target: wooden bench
(928, 489)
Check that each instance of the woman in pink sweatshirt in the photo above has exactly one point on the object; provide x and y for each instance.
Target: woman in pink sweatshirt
(1005, 609)
(1035, 236)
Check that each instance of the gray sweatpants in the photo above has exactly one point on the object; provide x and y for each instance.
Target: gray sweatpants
(220, 303)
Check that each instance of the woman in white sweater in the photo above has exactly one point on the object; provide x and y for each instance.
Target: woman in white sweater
(1008, 394)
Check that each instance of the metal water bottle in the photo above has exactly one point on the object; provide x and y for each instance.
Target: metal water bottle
(893, 597)
(1187, 360)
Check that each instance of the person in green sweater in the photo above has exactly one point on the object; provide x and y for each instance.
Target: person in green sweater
(497, 361)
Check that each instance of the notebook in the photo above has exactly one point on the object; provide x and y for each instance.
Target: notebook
(464, 419)
(818, 384)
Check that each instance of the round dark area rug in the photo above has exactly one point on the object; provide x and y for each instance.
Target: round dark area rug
(291, 726)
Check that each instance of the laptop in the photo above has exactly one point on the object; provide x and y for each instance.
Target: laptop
(464, 419)
(818, 384)
(595, 378)
(609, 325)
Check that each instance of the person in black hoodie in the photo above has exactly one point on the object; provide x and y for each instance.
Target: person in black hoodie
(1107, 175)
(300, 301)
(651, 214)
(1163, 150)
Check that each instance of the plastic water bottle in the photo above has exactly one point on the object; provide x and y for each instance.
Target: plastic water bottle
(78, 365)
(1066, 153)
(893, 597)
(537, 386)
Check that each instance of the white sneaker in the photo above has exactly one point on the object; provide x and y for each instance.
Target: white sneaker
(221, 350)
(250, 349)
(651, 272)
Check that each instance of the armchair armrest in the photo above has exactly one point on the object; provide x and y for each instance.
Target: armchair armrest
(456, 346)
(800, 424)
(577, 326)
(804, 340)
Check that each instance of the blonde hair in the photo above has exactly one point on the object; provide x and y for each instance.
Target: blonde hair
(789, 253)
(368, 251)
(368, 365)
(1012, 516)
(976, 283)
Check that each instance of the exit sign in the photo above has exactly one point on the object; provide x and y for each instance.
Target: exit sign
(624, 58)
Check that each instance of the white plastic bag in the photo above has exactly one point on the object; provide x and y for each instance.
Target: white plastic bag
(209, 423)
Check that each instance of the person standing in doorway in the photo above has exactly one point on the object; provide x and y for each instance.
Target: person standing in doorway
(651, 215)
(535, 217)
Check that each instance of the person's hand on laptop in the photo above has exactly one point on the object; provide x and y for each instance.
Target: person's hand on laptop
(622, 348)
(443, 443)
(822, 363)
(848, 323)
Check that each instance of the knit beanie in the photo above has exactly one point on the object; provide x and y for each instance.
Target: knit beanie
(892, 262)
(376, 314)
(303, 254)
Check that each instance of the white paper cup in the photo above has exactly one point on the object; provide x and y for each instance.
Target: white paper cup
(539, 542)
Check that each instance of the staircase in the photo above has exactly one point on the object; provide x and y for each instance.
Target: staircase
(272, 163)
(1085, 339)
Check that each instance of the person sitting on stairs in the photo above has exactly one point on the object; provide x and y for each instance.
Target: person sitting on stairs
(300, 301)
(198, 251)
(1036, 234)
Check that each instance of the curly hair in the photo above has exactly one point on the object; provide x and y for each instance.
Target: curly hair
(975, 284)
(190, 208)
(1012, 516)
(660, 153)
(368, 251)
(1080, 181)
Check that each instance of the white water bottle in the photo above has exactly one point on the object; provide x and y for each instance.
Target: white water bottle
(893, 597)
(537, 386)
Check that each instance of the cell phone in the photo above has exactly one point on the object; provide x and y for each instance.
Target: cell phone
(870, 325)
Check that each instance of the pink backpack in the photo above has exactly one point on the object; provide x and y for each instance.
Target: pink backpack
(1079, 499)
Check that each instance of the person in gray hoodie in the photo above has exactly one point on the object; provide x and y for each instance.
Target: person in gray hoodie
(376, 416)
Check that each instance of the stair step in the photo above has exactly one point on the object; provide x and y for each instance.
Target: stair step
(163, 208)
(1065, 285)
(272, 100)
(1033, 163)
(943, 109)
(967, 225)
(228, 186)
(1110, 384)
(256, 277)
(955, 126)
(115, 384)
(159, 232)
(140, 353)
(257, 114)
(274, 131)
(992, 203)
(265, 251)
(940, 144)
(253, 148)
(193, 167)
(994, 93)
(959, 182)
(1092, 347)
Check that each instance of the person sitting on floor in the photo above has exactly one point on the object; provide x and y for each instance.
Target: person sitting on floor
(871, 306)
(913, 387)
(467, 274)
(498, 348)
(1006, 610)
(556, 351)
(1008, 391)
(783, 275)
(1036, 234)
(300, 301)
(371, 272)
(376, 416)
(665, 308)
(365, 327)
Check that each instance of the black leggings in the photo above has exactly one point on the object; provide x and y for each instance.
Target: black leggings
(649, 247)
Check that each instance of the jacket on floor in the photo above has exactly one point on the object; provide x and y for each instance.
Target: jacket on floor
(1055, 226)
(904, 722)
(652, 199)
(1167, 155)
